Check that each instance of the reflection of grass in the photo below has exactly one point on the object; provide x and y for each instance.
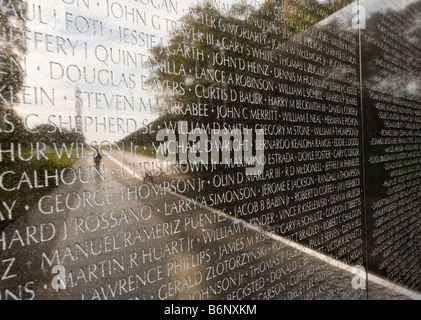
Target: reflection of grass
(26, 196)
(147, 151)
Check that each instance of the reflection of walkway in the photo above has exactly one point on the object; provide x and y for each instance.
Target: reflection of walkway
(120, 238)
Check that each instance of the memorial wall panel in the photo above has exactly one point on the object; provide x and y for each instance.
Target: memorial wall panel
(204, 150)
(391, 66)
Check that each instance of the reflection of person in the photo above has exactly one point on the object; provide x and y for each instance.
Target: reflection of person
(97, 159)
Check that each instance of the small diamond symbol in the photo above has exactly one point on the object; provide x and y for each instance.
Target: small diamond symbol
(26, 207)
(45, 287)
(38, 68)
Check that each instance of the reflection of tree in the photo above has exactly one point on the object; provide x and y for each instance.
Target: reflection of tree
(13, 134)
(391, 68)
(11, 77)
(277, 21)
(396, 69)
(44, 134)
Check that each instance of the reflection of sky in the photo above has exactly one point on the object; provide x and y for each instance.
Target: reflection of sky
(98, 47)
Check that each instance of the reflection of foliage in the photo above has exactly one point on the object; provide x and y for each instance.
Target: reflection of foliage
(44, 134)
(10, 51)
(11, 77)
(277, 21)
